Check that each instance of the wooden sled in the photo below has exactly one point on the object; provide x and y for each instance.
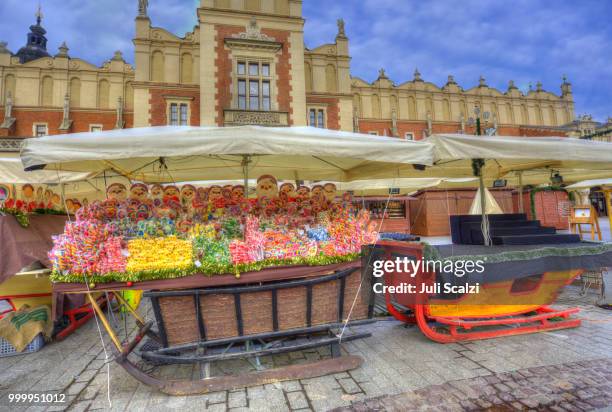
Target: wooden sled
(245, 322)
(480, 316)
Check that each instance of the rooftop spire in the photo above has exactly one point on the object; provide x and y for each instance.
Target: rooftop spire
(39, 14)
(36, 46)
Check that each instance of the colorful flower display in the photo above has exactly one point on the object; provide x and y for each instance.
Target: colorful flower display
(183, 231)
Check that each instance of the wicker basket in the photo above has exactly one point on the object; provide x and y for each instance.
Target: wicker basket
(224, 315)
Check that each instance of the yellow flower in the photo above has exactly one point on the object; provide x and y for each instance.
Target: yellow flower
(159, 254)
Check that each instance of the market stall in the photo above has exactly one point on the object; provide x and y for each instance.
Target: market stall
(525, 263)
(262, 275)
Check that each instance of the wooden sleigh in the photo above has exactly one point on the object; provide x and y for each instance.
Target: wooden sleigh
(202, 319)
(503, 308)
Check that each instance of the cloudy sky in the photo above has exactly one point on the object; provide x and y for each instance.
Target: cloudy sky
(523, 40)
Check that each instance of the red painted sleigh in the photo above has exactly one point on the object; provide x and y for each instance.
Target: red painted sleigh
(501, 308)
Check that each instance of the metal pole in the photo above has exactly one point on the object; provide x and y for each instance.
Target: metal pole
(245, 172)
(483, 211)
(520, 192)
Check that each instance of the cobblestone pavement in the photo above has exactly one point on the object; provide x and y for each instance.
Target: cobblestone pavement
(403, 370)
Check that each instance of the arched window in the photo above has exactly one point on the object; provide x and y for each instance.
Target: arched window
(9, 86)
(412, 112)
(129, 96)
(464, 109)
(553, 116)
(524, 114)
(308, 76)
(376, 106)
(446, 109)
(394, 105)
(75, 92)
(509, 113)
(430, 108)
(157, 66)
(186, 68)
(494, 111)
(331, 80)
(103, 94)
(539, 115)
(252, 5)
(46, 91)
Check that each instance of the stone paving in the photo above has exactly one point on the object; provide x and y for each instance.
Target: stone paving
(403, 370)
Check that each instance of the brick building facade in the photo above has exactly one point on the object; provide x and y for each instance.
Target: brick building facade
(245, 62)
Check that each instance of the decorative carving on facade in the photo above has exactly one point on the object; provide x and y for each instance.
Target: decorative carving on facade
(245, 117)
(356, 120)
(10, 145)
(417, 76)
(253, 32)
(143, 5)
(120, 123)
(66, 122)
(9, 120)
(341, 29)
(63, 50)
(394, 131)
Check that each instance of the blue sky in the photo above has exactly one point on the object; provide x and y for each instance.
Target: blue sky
(523, 40)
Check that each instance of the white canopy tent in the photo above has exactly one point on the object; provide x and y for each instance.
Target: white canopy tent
(407, 184)
(11, 172)
(506, 156)
(493, 157)
(170, 154)
(587, 184)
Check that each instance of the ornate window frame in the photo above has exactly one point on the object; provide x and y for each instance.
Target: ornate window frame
(179, 101)
(318, 109)
(35, 126)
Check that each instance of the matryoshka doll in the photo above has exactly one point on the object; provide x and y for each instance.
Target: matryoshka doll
(139, 192)
(227, 194)
(303, 193)
(40, 204)
(287, 192)
(172, 199)
(56, 202)
(267, 186)
(317, 198)
(28, 197)
(329, 193)
(171, 194)
(202, 193)
(237, 194)
(70, 206)
(47, 199)
(157, 195)
(188, 198)
(117, 192)
(215, 196)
